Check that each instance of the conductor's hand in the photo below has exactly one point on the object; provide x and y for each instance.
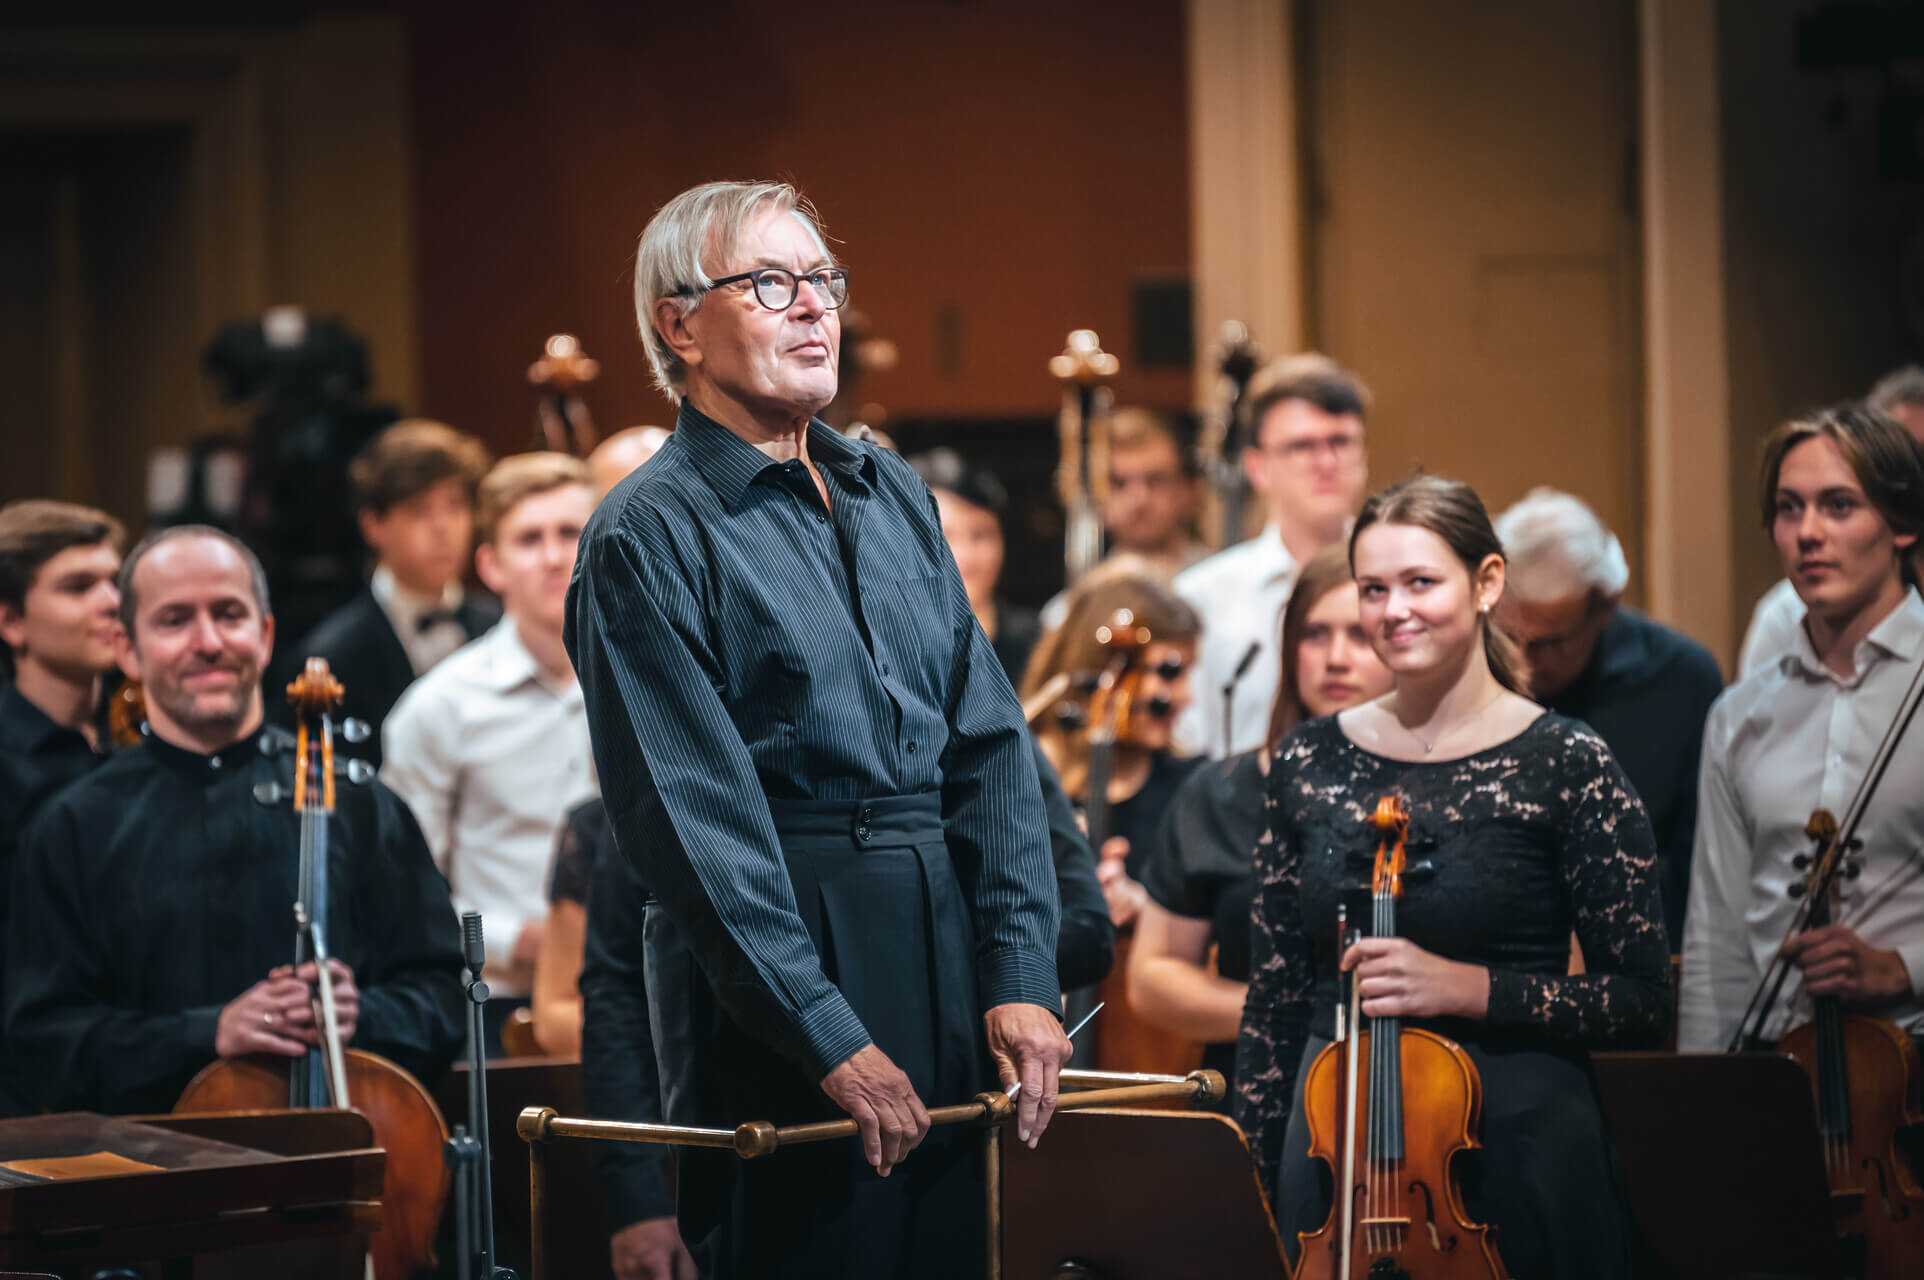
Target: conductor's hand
(649, 1250)
(1029, 1047)
(253, 1022)
(1836, 962)
(878, 1096)
(1398, 979)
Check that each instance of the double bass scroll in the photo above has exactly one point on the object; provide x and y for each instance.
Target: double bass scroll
(1084, 369)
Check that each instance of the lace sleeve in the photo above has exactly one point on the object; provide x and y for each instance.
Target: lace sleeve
(1269, 1049)
(1609, 860)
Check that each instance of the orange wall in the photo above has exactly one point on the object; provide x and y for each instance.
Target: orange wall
(1018, 162)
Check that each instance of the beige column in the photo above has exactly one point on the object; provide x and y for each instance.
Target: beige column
(1687, 396)
(1245, 217)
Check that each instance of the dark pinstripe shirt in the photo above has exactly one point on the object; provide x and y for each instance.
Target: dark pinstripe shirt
(738, 641)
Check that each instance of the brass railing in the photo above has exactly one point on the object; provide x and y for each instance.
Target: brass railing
(1081, 1090)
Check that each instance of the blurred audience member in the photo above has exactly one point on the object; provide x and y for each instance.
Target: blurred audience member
(1198, 881)
(1643, 687)
(414, 487)
(1306, 459)
(972, 503)
(1151, 501)
(490, 749)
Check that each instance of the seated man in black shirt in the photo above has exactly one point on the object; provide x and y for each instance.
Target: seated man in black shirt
(151, 922)
(59, 612)
(1644, 688)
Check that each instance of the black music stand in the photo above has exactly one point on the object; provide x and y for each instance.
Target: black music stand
(1722, 1164)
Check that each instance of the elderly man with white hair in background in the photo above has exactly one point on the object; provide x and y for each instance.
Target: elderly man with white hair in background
(1644, 688)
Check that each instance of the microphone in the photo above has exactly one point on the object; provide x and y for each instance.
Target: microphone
(473, 950)
(1243, 665)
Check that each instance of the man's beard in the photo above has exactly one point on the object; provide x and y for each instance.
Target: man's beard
(205, 713)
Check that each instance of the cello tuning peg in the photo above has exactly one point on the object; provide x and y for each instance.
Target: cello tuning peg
(355, 730)
(360, 771)
(270, 793)
(1796, 889)
(1801, 862)
(1853, 867)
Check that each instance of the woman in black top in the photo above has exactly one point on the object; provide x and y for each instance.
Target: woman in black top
(1522, 828)
(1199, 880)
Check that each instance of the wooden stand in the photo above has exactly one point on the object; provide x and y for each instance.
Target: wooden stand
(1721, 1163)
(286, 1194)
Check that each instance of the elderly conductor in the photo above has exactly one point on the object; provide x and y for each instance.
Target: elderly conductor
(819, 770)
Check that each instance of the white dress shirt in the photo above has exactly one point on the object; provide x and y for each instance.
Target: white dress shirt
(426, 646)
(1776, 628)
(491, 752)
(1792, 738)
(1240, 594)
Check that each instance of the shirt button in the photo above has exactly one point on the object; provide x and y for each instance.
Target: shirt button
(820, 518)
(885, 668)
(868, 815)
(911, 746)
(213, 762)
(862, 833)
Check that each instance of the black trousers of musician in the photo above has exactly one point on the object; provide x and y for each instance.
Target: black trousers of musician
(1545, 1177)
(875, 886)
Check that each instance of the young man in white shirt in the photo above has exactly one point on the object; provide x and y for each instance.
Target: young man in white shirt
(1843, 497)
(490, 749)
(1306, 459)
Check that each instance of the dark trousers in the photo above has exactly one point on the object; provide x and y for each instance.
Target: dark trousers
(875, 888)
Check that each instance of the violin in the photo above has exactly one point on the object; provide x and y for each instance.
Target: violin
(1122, 1041)
(1390, 1133)
(126, 713)
(1866, 1075)
(407, 1124)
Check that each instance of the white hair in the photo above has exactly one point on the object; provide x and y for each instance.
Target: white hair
(1556, 547)
(702, 222)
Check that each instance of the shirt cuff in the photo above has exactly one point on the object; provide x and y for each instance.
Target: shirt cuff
(1912, 954)
(832, 1032)
(1509, 997)
(1016, 975)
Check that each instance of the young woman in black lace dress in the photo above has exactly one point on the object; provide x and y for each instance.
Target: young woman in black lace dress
(1523, 829)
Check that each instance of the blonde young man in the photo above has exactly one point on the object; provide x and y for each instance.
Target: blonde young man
(1843, 498)
(490, 748)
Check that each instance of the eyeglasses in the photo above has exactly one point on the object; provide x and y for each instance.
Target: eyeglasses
(776, 288)
(1342, 445)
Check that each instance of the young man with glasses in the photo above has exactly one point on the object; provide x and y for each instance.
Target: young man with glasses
(1308, 463)
(817, 766)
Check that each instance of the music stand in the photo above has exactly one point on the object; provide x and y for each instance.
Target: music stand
(1721, 1163)
(1128, 1194)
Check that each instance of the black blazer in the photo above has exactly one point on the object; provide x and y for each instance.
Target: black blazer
(366, 656)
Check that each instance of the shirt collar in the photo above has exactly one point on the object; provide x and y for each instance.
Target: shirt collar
(403, 607)
(509, 665)
(730, 464)
(25, 724)
(1271, 555)
(1900, 635)
(210, 767)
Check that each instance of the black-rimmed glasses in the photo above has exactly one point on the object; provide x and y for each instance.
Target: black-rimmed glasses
(777, 287)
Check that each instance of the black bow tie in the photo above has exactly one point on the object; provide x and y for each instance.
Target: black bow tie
(434, 618)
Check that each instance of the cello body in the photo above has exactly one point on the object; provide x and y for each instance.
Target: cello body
(1866, 1073)
(407, 1124)
(1428, 1232)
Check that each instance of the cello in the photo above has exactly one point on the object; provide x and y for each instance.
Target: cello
(1865, 1074)
(406, 1122)
(1390, 1133)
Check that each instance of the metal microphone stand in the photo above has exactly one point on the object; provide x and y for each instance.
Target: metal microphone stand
(467, 1150)
(1229, 695)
